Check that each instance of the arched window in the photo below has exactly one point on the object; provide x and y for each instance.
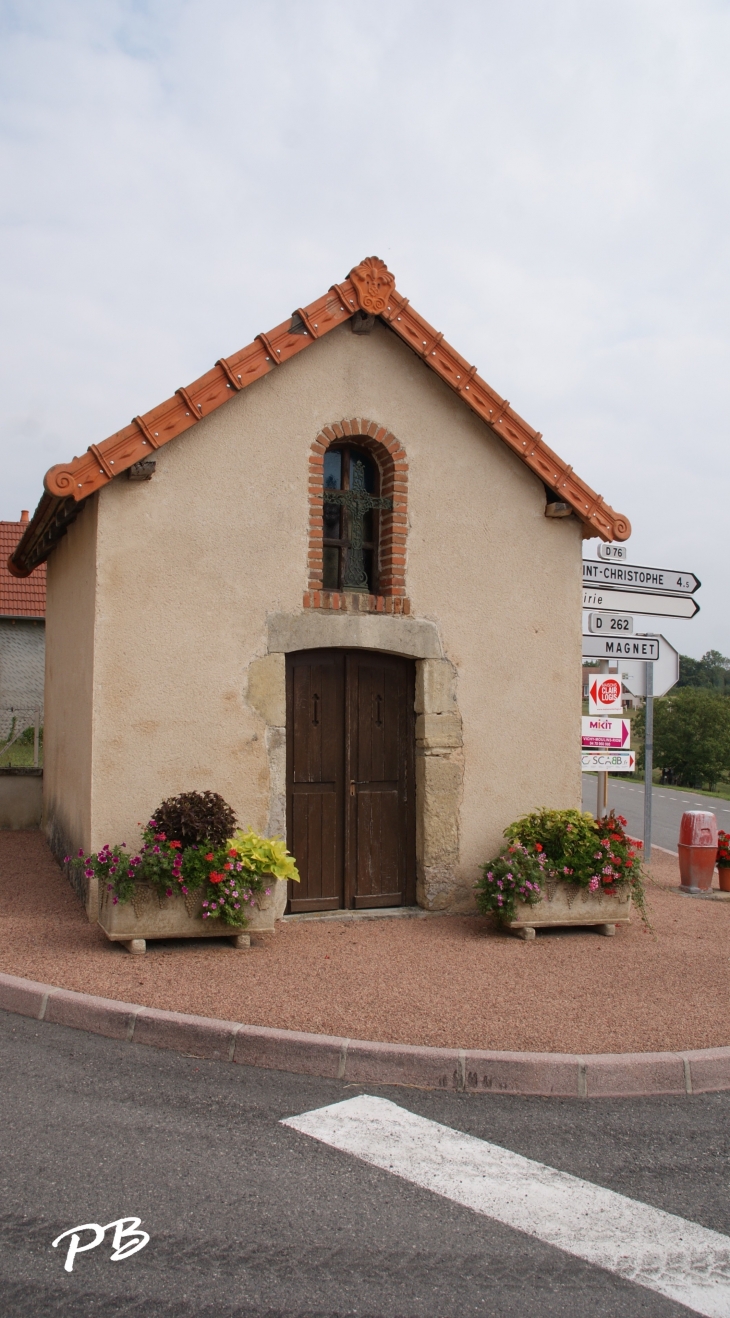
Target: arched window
(351, 514)
(358, 514)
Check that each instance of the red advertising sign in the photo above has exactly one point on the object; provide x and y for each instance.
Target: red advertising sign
(604, 694)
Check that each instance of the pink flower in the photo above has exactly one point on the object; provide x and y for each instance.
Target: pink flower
(115, 900)
(593, 884)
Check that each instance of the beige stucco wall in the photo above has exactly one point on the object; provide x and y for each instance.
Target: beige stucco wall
(192, 566)
(69, 685)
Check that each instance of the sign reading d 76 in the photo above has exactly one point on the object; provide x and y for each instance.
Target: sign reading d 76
(604, 694)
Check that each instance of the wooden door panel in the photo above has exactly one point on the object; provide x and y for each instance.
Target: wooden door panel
(315, 778)
(379, 873)
(314, 843)
(380, 833)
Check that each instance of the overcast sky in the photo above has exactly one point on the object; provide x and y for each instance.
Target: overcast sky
(548, 181)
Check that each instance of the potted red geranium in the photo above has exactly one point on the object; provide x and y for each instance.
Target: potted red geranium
(723, 860)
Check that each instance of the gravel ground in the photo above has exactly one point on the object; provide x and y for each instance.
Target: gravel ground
(446, 981)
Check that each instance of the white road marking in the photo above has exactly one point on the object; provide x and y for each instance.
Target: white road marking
(664, 1253)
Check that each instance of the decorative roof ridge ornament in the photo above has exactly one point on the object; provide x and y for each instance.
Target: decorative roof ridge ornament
(373, 284)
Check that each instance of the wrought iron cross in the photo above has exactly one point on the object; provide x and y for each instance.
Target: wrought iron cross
(358, 502)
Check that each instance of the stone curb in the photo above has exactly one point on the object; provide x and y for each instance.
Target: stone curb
(563, 1075)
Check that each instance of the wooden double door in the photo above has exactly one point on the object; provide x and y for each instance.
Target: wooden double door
(350, 779)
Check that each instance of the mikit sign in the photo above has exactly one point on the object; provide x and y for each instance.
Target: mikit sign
(605, 733)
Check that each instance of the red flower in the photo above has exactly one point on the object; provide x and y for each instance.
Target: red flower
(228, 865)
(175, 844)
(209, 856)
(233, 852)
(160, 837)
(538, 846)
(215, 878)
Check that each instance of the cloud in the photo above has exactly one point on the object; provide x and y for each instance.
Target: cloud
(549, 182)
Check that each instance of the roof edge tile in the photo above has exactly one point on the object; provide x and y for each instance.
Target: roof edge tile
(370, 287)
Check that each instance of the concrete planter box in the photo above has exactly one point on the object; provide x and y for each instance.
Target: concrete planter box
(148, 916)
(21, 798)
(565, 904)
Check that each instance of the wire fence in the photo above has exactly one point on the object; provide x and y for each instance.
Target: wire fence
(21, 736)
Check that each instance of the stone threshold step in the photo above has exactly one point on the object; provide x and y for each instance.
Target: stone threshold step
(372, 913)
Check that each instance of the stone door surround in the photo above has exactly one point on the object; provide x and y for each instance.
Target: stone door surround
(439, 742)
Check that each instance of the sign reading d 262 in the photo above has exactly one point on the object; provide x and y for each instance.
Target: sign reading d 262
(604, 694)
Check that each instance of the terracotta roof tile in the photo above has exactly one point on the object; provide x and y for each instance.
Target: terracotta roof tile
(19, 597)
(370, 289)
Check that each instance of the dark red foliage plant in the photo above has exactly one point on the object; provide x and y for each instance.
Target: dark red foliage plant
(195, 817)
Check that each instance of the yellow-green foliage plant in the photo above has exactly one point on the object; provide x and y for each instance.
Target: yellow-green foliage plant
(264, 855)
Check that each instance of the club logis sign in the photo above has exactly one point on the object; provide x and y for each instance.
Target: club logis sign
(604, 694)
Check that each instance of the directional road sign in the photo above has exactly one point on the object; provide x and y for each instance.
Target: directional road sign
(604, 694)
(665, 670)
(605, 734)
(645, 648)
(662, 606)
(610, 624)
(608, 761)
(622, 576)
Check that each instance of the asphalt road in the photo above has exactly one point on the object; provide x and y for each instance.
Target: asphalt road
(668, 806)
(249, 1218)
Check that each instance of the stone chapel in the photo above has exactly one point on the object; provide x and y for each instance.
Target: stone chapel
(336, 579)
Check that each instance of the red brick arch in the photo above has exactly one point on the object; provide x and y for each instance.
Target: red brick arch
(390, 456)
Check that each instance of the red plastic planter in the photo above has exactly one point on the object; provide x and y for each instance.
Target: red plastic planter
(697, 850)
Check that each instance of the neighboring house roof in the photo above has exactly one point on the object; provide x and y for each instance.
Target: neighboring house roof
(19, 599)
(369, 290)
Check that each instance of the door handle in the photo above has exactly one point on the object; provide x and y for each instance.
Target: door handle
(352, 787)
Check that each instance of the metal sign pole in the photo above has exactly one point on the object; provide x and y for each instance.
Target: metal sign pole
(648, 758)
(602, 778)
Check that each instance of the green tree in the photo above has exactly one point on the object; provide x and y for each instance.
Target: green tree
(691, 736)
(712, 670)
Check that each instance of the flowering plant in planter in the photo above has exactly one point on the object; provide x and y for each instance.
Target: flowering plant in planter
(229, 873)
(572, 847)
(517, 874)
(723, 850)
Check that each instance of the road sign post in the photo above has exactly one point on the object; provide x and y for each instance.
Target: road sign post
(648, 758)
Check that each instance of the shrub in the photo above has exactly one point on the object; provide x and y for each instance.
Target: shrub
(195, 817)
(565, 837)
